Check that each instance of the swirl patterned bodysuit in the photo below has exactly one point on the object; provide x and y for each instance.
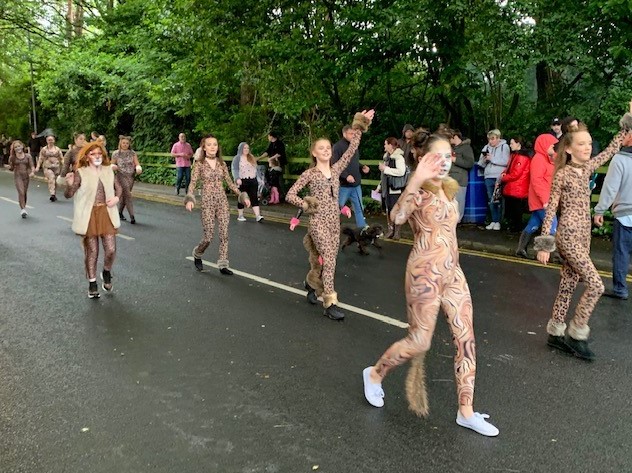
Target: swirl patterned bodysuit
(125, 160)
(434, 280)
(50, 159)
(22, 168)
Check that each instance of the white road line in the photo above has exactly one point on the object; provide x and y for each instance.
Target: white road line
(124, 237)
(15, 202)
(358, 310)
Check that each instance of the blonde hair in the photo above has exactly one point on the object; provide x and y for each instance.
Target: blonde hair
(495, 132)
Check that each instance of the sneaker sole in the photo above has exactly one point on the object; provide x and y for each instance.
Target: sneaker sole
(103, 285)
(94, 296)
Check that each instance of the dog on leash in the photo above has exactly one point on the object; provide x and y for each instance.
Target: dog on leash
(364, 238)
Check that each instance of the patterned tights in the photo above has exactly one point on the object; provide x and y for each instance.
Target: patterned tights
(91, 251)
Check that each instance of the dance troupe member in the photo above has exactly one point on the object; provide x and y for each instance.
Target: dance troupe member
(22, 166)
(433, 280)
(125, 163)
(70, 157)
(570, 193)
(50, 159)
(323, 233)
(211, 169)
(96, 193)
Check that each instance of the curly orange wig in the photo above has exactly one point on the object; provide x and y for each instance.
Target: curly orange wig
(82, 158)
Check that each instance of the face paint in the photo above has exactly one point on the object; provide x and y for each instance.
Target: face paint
(19, 149)
(97, 162)
(447, 164)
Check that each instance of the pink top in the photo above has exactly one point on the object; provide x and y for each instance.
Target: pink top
(247, 170)
(182, 161)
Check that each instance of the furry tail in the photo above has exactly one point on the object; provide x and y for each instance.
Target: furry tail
(348, 231)
(416, 386)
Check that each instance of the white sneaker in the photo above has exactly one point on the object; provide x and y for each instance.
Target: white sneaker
(241, 219)
(372, 392)
(259, 218)
(478, 424)
(490, 226)
(23, 213)
(496, 226)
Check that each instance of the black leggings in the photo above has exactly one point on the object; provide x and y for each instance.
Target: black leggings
(250, 186)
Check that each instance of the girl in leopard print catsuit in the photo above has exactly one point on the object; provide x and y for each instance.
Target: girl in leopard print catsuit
(434, 280)
(211, 169)
(323, 234)
(570, 193)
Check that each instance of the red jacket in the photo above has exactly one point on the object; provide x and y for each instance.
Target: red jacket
(541, 172)
(516, 178)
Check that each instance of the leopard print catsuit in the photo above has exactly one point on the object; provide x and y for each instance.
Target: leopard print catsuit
(324, 225)
(570, 192)
(214, 205)
(434, 279)
(22, 168)
(125, 161)
(50, 159)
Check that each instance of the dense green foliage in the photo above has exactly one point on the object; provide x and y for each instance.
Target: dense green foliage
(239, 68)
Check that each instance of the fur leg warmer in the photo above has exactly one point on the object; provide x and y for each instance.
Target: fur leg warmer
(330, 299)
(577, 331)
(555, 328)
(313, 278)
(544, 243)
(416, 386)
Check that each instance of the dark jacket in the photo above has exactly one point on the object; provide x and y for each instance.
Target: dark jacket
(277, 147)
(463, 163)
(352, 169)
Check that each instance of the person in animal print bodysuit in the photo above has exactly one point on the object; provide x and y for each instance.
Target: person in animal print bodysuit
(434, 280)
(95, 192)
(50, 159)
(323, 233)
(211, 169)
(22, 166)
(570, 193)
(125, 163)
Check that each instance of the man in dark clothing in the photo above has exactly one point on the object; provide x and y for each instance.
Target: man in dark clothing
(350, 177)
(276, 149)
(34, 146)
(556, 128)
(462, 161)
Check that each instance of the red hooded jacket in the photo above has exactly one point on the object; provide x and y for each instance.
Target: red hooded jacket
(516, 178)
(541, 172)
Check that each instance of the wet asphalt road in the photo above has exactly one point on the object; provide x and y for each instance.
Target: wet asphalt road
(179, 371)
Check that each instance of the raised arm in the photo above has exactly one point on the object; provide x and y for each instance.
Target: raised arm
(615, 145)
(361, 122)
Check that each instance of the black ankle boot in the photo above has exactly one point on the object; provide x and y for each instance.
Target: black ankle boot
(523, 243)
(312, 298)
(580, 348)
(106, 276)
(121, 216)
(198, 263)
(93, 290)
(132, 220)
(334, 312)
(558, 343)
(226, 271)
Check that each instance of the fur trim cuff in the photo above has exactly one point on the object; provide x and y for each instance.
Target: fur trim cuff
(242, 198)
(330, 299)
(626, 122)
(61, 181)
(360, 122)
(189, 198)
(555, 328)
(222, 263)
(578, 332)
(544, 243)
(312, 204)
(195, 253)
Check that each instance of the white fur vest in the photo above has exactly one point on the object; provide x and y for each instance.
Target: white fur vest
(86, 194)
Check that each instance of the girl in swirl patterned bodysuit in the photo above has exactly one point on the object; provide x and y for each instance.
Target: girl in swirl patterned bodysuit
(434, 280)
(22, 166)
(570, 193)
(50, 159)
(126, 165)
(323, 233)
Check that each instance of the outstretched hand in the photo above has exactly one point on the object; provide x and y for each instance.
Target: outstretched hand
(429, 167)
(369, 114)
(543, 256)
(189, 206)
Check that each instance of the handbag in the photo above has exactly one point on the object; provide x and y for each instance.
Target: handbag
(397, 183)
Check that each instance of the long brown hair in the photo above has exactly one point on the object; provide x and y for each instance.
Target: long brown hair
(129, 140)
(562, 158)
(12, 149)
(82, 158)
(203, 151)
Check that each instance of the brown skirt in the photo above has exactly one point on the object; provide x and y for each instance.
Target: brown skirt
(100, 223)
